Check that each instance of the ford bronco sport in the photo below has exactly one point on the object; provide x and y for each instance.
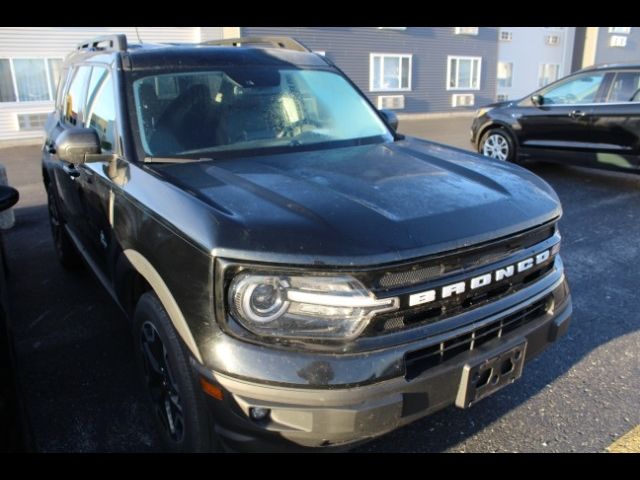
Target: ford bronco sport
(297, 274)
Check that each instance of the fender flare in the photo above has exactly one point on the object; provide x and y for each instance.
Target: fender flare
(153, 278)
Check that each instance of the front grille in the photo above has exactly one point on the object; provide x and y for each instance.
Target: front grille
(435, 311)
(421, 272)
(420, 361)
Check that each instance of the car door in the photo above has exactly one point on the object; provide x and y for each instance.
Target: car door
(94, 180)
(66, 174)
(616, 122)
(561, 123)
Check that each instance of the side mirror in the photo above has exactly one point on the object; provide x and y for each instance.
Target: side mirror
(8, 197)
(537, 100)
(74, 144)
(391, 118)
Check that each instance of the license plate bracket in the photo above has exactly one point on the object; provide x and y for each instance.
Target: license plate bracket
(488, 375)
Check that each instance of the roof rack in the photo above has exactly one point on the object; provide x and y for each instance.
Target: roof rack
(278, 42)
(114, 42)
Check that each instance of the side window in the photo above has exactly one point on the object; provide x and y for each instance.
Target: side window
(74, 99)
(101, 108)
(625, 88)
(576, 90)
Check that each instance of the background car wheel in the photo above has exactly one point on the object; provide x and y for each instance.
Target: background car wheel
(179, 408)
(497, 143)
(65, 249)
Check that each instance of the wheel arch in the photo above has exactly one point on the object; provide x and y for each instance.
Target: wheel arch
(138, 277)
(493, 126)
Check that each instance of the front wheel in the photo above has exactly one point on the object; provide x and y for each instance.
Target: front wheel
(179, 408)
(498, 144)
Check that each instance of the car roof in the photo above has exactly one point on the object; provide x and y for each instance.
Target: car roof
(204, 55)
(612, 66)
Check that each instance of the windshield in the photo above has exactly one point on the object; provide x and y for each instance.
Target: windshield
(248, 108)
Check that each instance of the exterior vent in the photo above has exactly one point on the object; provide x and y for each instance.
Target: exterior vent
(462, 100)
(466, 30)
(618, 41)
(552, 40)
(31, 121)
(502, 97)
(506, 36)
(392, 102)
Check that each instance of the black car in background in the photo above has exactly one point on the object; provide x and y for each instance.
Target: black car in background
(590, 118)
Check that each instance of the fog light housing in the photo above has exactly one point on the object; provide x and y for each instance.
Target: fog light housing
(259, 413)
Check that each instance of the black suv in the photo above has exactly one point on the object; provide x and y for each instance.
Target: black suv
(590, 118)
(297, 274)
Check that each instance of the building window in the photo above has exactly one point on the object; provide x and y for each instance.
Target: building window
(624, 30)
(547, 73)
(32, 121)
(552, 40)
(505, 72)
(389, 72)
(392, 28)
(29, 79)
(506, 36)
(618, 41)
(502, 97)
(463, 73)
(466, 30)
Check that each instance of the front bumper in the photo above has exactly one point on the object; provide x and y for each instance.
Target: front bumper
(307, 416)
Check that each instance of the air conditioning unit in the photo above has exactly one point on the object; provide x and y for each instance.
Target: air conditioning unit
(552, 40)
(462, 100)
(506, 36)
(392, 102)
(618, 41)
(502, 97)
(467, 30)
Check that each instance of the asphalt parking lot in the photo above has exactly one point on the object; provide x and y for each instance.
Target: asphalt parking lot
(75, 356)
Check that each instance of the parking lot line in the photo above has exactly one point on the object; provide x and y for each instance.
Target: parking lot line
(628, 443)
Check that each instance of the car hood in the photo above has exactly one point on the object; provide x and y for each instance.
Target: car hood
(361, 205)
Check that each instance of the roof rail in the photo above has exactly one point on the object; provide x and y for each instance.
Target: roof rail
(114, 42)
(279, 42)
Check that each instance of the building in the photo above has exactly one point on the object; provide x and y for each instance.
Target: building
(409, 69)
(531, 57)
(30, 59)
(606, 45)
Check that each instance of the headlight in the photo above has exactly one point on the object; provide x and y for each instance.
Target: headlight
(337, 307)
(482, 111)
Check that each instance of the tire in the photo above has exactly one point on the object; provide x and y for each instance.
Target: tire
(66, 251)
(171, 386)
(498, 143)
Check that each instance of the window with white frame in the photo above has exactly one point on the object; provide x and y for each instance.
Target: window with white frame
(29, 79)
(624, 30)
(506, 36)
(466, 30)
(505, 74)
(547, 73)
(617, 41)
(463, 73)
(389, 72)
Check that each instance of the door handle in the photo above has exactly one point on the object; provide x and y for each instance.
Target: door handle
(71, 170)
(577, 114)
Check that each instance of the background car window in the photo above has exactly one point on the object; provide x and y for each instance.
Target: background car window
(101, 109)
(581, 89)
(73, 107)
(624, 87)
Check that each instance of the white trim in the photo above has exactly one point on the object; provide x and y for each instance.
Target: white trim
(462, 57)
(381, 72)
(46, 72)
(623, 30)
